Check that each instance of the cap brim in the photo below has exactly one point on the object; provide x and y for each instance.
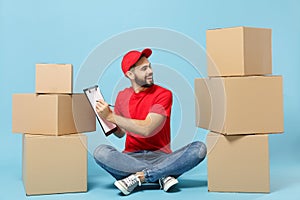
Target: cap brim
(146, 52)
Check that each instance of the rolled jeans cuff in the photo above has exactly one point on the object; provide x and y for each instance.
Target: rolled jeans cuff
(147, 174)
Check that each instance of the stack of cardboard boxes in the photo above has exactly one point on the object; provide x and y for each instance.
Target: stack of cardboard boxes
(52, 120)
(240, 103)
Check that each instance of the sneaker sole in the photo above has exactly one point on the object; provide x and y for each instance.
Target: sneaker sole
(169, 186)
(121, 188)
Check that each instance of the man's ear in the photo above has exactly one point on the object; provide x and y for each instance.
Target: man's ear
(130, 75)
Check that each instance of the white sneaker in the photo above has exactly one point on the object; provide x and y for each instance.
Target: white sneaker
(128, 184)
(167, 182)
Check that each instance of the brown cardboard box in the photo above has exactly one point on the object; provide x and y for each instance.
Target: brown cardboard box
(54, 164)
(240, 105)
(56, 114)
(239, 51)
(238, 163)
(54, 78)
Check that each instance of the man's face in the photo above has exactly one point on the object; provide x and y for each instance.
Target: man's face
(143, 74)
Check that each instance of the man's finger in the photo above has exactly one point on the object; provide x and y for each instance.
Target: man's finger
(101, 101)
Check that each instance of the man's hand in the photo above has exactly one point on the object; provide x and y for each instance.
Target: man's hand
(104, 111)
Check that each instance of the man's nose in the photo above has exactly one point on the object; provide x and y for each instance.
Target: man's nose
(149, 70)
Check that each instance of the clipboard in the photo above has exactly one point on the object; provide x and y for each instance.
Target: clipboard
(93, 94)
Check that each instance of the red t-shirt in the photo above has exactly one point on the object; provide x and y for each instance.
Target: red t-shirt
(155, 99)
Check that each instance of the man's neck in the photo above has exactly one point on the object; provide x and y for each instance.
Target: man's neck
(137, 88)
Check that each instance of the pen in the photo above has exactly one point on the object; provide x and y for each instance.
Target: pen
(108, 104)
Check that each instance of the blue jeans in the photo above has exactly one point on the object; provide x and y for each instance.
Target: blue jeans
(154, 164)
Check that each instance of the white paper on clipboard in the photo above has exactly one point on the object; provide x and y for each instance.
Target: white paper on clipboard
(93, 94)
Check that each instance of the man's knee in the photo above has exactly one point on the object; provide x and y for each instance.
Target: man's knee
(101, 153)
(200, 149)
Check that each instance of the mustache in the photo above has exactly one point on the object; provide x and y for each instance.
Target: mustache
(149, 75)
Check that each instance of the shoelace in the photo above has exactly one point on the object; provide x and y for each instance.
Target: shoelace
(132, 180)
(160, 181)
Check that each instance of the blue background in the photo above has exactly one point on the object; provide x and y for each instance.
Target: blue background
(68, 31)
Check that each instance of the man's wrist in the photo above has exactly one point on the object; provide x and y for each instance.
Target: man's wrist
(111, 118)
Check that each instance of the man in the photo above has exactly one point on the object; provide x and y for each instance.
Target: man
(143, 112)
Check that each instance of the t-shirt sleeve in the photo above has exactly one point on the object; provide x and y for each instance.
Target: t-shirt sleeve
(117, 105)
(163, 104)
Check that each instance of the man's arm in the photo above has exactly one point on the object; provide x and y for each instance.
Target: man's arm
(144, 127)
(119, 132)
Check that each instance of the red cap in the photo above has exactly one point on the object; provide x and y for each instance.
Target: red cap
(132, 57)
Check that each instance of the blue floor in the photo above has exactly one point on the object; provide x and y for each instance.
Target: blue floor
(285, 184)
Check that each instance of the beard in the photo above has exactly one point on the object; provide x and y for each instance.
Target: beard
(143, 82)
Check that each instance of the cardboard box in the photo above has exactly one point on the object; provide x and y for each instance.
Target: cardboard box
(54, 78)
(57, 114)
(240, 105)
(54, 164)
(239, 51)
(238, 163)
